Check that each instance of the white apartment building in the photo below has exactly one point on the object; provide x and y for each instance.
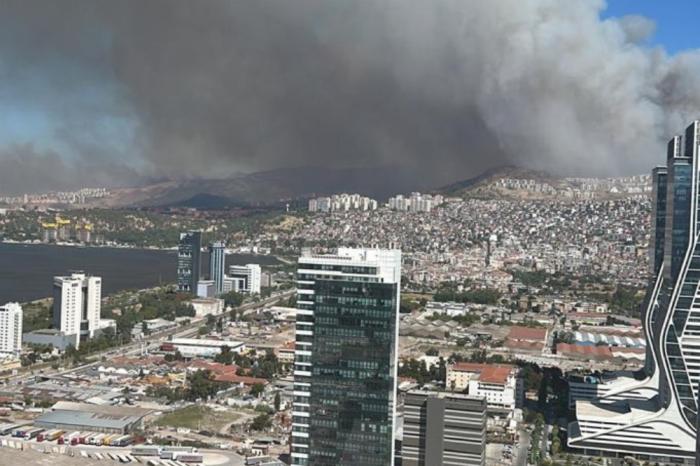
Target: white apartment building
(244, 279)
(417, 202)
(77, 304)
(11, 329)
(501, 385)
(342, 203)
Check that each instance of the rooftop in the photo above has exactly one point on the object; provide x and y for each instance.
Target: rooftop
(79, 418)
(203, 342)
(527, 333)
(488, 373)
(585, 350)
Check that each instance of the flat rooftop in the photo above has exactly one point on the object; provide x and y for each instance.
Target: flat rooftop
(77, 418)
(196, 342)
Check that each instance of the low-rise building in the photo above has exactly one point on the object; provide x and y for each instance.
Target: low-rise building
(194, 348)
(208, 306)
(285, 354)
(92, 418)
(501, 385)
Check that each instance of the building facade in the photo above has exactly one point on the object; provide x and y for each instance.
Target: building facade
(11, 329)
(244, 279)
(188, 261)
(77, 305)
(217, 265)
(501, 385)
(443, 429)
(346, 358)
(665, 417)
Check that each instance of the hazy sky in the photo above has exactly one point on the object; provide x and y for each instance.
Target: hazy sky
(118, 92)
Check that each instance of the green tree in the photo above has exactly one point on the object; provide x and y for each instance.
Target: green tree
(257, 389)
(225, 357)
(261, 422)
(278, 401)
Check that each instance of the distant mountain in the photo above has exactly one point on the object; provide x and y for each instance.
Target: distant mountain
(272, 187)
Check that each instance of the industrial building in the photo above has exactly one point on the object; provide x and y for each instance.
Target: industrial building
(92, 418)
(193, 348)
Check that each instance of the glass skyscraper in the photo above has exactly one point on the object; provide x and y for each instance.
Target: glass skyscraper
(188, 261)
(217, 265)
(656, 418)
(345, 363)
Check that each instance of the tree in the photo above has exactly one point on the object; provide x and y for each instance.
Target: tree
(202, 386)
(432, 352)
(256, 389)
(278, 401)
(233, 299)
(144, 328)
(225, 357)
(261, 422)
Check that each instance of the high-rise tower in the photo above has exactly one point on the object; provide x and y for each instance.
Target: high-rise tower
(346, 358)
(656, 418)
(77, 302)
(188, 261)
(217, 265)
(11, 329)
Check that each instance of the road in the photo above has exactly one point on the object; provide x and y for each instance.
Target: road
(524, 439)
(211, 457)
(545, 440)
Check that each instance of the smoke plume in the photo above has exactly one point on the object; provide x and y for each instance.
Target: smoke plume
(182, 89)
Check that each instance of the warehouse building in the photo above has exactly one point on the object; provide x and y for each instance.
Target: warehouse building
(92, 418)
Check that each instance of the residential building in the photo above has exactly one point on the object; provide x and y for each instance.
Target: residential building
(416, 203)
(217, 265)
(442, 429)
(11, 329)
(345, 375)
(666, 416)
(188, 261)
(342, 203)
(285, 354)
(500, 384)
(244, 278)
(77, 301)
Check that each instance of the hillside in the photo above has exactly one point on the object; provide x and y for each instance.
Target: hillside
(270, 188)
(511, 182)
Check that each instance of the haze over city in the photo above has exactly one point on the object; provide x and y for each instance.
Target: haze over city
(350, 232)
(125, 92)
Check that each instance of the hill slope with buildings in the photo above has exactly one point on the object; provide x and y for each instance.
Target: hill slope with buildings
(512, 182)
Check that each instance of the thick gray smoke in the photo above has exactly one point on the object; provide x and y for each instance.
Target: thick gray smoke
(183, 88)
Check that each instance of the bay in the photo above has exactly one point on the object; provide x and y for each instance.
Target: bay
(27, 270)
